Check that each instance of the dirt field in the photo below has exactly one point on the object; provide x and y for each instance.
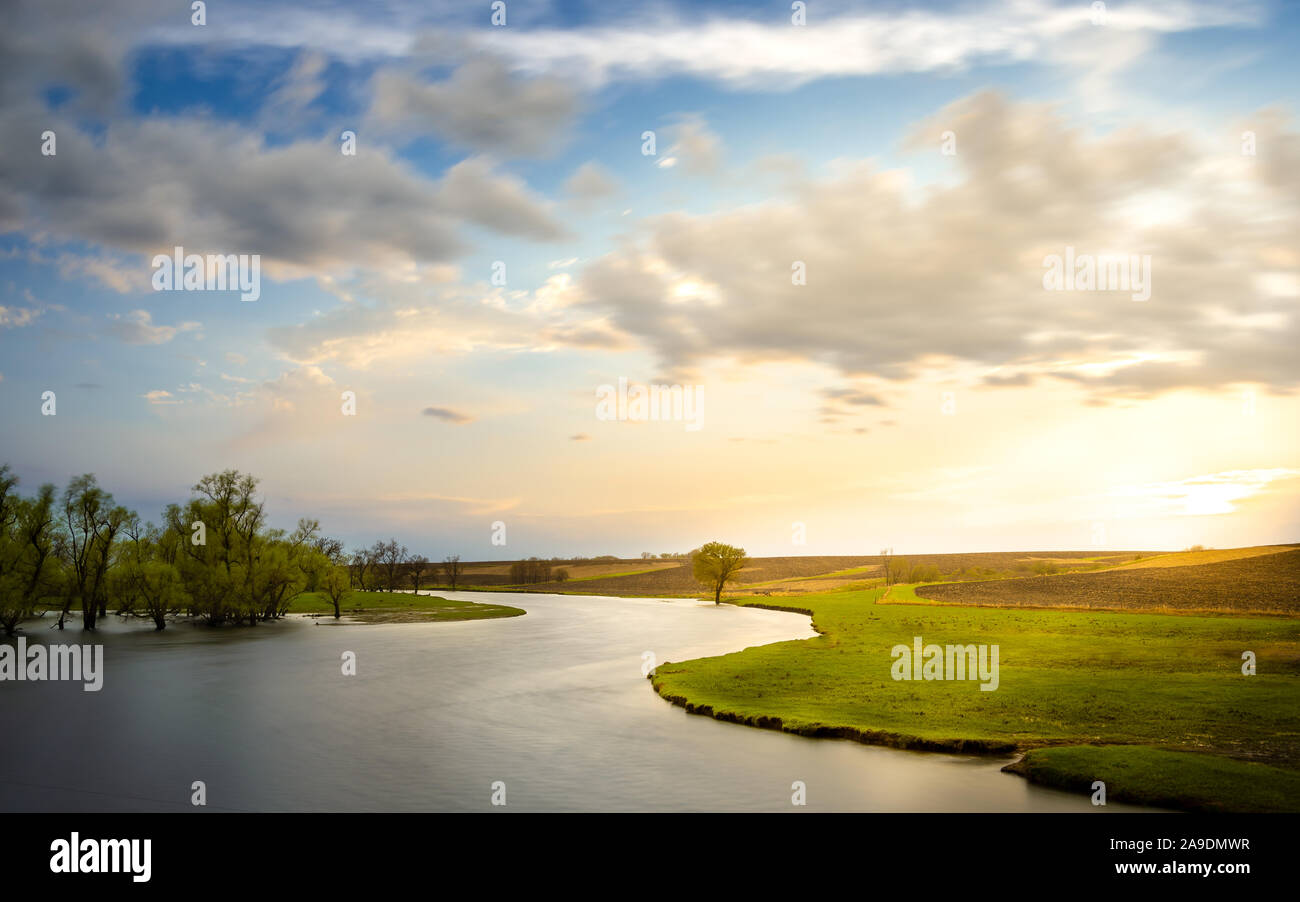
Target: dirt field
(1210, 556)
(784, 576)
(1266, 582)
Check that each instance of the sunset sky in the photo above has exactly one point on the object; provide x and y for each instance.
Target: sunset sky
(922, 390)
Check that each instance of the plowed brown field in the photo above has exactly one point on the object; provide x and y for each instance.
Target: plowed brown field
(1264, 583)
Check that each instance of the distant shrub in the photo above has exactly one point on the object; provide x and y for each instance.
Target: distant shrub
(923, 573)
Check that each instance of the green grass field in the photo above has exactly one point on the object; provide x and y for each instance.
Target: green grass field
(1142, 775)
(1066, 678)
(396, 607)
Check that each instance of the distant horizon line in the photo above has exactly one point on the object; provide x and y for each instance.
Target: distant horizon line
(683, 555)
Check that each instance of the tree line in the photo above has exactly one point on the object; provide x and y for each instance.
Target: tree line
(388, 567)
(213, 558)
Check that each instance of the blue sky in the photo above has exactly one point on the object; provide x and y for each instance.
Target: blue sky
(522, 144)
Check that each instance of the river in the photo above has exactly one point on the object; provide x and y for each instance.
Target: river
(552, 704)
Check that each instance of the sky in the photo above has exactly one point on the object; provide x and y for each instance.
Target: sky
(832, 225)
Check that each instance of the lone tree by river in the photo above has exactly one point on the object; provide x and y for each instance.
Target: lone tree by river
(717, 564)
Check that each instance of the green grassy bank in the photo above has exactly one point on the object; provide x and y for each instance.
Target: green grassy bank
(1142, 775)
(1087, 679)
(400, 607)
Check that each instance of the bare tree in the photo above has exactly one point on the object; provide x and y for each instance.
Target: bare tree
(389, 556)
(451, 567)
(887, 565)
(418, 566)
(362, 562)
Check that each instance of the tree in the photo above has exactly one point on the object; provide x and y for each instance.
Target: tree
(89, 524)
(717, 564)
(362, 562)
(388, 558)
(561, 575)
(233, 567)
(28, 568)
(451, 567)
(336, 584)
(331, 548)
(418, 567)
(532, 570)
(144, 582)
(895, 569)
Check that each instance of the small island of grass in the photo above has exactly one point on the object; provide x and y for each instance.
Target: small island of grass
(400, 607)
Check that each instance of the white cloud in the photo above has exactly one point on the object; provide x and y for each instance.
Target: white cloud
(590, 182)
(17, 317)
(776, 54)
(896, 279)
(137, 328)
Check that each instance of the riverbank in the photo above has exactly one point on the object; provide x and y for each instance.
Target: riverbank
(1141, 775)
(1089, 680)
(399, 607)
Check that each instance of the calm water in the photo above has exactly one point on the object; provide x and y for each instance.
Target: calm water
(553, 704)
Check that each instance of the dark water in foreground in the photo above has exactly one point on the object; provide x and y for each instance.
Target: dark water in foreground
(553, 704)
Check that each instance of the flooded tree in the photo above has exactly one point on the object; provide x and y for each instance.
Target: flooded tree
(29, 571)
(89, 524)
(336, 584)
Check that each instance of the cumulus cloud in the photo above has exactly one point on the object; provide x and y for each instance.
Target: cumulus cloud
(483, 106)
(897, 278)
(590, 182)
(150, 185)
(473, 191)
(698, 149)
(71, 46)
